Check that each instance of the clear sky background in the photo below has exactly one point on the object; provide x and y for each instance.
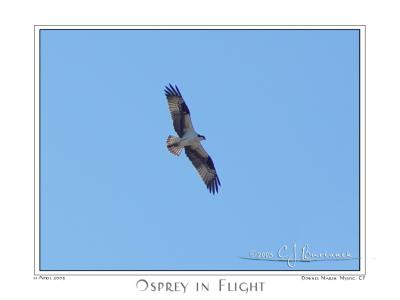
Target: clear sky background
(279, 109)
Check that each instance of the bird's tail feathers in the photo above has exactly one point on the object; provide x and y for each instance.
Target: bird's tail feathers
(173, 145)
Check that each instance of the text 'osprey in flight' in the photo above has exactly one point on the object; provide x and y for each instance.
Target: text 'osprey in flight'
(189, 139)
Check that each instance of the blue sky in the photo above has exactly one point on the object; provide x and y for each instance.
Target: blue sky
(279, 109)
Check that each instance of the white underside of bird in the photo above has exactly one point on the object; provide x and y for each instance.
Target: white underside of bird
(176, 144)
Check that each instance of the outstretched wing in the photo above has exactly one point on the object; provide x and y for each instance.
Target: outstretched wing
(179, 111)
(204, 166)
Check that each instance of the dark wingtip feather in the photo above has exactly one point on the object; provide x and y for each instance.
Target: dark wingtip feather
(168, 91)
(179, 92)
(172, 91)
(213, 186)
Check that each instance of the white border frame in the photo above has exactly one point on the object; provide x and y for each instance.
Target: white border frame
(362, 91)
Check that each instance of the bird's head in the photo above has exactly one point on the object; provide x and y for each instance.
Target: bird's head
(202, 137)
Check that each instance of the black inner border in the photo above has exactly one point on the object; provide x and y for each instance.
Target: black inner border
(143, 270)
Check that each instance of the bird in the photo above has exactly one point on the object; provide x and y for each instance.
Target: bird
(189, 139)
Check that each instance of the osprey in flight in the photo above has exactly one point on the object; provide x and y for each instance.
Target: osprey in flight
(189, 139)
